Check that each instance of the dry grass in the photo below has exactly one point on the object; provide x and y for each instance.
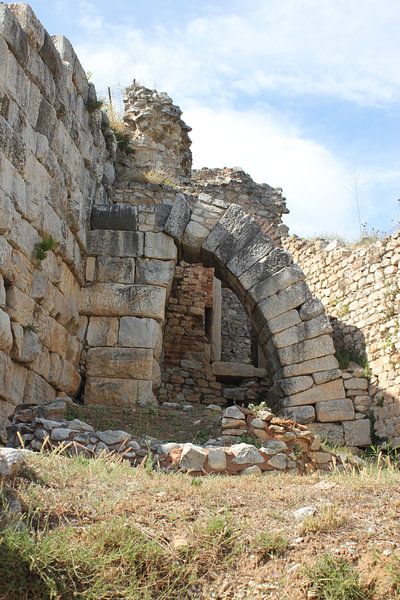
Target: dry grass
(98, 529)
(160, 177)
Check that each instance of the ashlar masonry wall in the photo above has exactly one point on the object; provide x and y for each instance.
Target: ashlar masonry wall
(360, 288)
(54, 163)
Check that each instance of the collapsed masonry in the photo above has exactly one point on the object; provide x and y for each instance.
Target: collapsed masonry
(178, 290)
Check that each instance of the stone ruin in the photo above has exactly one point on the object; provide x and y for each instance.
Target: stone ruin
(120, 288)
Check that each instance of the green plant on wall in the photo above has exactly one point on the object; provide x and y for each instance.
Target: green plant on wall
(43, 247)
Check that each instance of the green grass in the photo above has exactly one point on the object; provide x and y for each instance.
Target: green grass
(42, 248)
(334, 578)
(270, 544)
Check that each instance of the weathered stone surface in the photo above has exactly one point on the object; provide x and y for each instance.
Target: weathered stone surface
(300, 414)
(28, 346)
(324, 376)
(321, 458)
(335, 410)
(192, 240)
(12, 32)
(273, 446)
(20, 306)
(115, 243)
(356, 383)
(106, 299)
(279, 461)
(274, 283)
(155, 272)
(102, 331)
(192, 458)
(284, 321)
(332, 390)
(253, 470)
(115, 270)
(314, 365)
(124, 363)
(6, 338)
(311, 309)
(216, 459)
(245, 454)
(304, 331)
(357, 433)
(111, 437)
(283, 301)
(120, 217)
(231, 369)
(159, 246)
(37, 390)
(330, 432)
(111, 392)
(234, 412)
(140, 333)
(307, 350)
(294, 385)
(178, 218)
(29, 23)
(249, 255)
(270, 264)
(12, 462)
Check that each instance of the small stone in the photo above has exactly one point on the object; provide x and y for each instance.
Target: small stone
(110, 437)
(302, 513)
(278, 461)
(192, 458)
(245, 454)
(11, 462)
(217, 459)
(253, 470)
(273, 447)
(233, 412)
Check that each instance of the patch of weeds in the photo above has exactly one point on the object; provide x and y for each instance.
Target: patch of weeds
(257, 408)
(160, 177)
(43, 247)
(203, 435)
(328, 519)
(392, 569)
(343, 311)
(345, 356)
(31, 327)
(123, 141)
(271, 544)
(334, 578)
(298, 450)
(196, 482)
(248, 438)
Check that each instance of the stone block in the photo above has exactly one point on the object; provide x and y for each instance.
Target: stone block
(29, 23)
(358, 433)
(5, 256)
(122, 217)
(294, 385)
(51, 57)
(102, 331)
(330, 432)
(303, 331)
(335, 410)
(114, 299)
(249, 255)
(324, 363)
(135, 332)
(270, 264)
(37, 390)
(145, 395)
(160, 246)
(283, 301)
(192, 458)
(311, 309)
(333, 390)
(20, 306)
(178, 218)
(6, 338)
(70, 379)
(155, 272)
(27, 346)
(6, 213)
(307, 350)
(231, 369)
(192, 241)
(115, 243)
(13, 33)
(216, 459)
(120, 363)
(245, 454)
(284, 321)
(274, 283)
(356, 383)
(301, 414)
(12, 145)
(324, 376)
(111, 392)
(115, 270)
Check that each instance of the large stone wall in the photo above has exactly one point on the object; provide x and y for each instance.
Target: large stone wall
(360, 288)
(52, 164)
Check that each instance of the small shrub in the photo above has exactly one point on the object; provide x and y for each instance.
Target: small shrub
(248, 438)
(334, 578)
(257, 408)
(43, 247)
(270, 544)
(346, 355)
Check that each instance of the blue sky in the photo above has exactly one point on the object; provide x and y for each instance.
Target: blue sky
(303, 94)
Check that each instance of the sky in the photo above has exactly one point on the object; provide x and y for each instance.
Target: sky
(302, 94)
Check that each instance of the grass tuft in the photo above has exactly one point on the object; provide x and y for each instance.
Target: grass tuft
(334, 578)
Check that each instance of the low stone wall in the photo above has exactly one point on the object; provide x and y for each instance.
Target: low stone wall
(360, 288)
(285, 446)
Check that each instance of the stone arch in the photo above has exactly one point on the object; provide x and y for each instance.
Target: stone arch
(293, 329)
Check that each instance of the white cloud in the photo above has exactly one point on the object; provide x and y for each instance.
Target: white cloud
(341, 49)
